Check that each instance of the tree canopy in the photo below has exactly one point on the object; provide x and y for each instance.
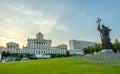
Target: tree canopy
(116, 45)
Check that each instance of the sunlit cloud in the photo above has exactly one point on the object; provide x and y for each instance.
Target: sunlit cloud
(61, 27)
(5, 40)
(17, 21)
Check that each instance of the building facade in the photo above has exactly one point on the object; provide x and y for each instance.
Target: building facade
(76, 46)
(76, 52)
(60, 49)
(38, 45)
(12, 47)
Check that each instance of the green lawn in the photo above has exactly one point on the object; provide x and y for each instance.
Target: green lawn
(73, 65)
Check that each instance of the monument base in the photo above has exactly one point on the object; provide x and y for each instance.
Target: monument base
(105, 54)
(107, 50)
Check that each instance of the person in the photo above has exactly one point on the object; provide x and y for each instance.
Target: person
(105, 38)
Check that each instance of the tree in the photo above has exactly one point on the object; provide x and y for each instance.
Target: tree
(87, 50)
(67, 53)
(97, 47)
(116, 45)
(5, 54)
(92, 49)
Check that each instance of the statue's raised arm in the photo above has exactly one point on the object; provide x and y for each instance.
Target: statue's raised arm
(99, 29)
(98, 21)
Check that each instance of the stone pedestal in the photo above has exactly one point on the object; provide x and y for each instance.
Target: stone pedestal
(107, 51)
(106, 54)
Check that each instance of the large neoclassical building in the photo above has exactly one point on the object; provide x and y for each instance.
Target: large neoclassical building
(38, 45)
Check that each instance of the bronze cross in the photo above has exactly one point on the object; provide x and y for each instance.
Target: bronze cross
(98, 21)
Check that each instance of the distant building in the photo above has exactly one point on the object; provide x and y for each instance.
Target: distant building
(78, 44)
(60, 49)
(38, 45)
(76, 52)
(2, 49)
(0, 57)
(12, 47)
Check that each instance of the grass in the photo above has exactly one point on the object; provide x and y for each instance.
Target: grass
(73, 65)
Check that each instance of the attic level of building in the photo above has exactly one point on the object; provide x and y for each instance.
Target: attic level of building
(39, 36)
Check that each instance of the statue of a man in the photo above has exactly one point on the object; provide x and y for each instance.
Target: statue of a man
(105, 38)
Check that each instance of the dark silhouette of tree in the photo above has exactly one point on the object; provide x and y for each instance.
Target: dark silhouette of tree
(116, 45)
(92, 49)
(67, 53)
(5, 54)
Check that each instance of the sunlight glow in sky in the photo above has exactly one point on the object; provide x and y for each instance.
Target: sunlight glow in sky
(58, 20)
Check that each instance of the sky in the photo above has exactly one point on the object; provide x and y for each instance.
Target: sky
(58, 20)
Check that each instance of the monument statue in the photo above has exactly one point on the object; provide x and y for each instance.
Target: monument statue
(104, 34)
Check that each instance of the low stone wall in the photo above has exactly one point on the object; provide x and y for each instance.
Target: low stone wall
(104, 56)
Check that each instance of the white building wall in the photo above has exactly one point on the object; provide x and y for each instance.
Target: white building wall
(76, 52)
(39, 45)
(50, 51)
(0, 56)
(77, 44)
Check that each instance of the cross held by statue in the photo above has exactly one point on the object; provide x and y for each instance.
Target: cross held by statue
(98, 21)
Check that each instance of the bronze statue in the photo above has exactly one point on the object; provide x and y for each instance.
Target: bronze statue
(104, 33)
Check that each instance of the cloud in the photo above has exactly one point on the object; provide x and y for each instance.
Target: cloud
(5, 40)
(19, 21)
(61, 27)
(45, 22)
(21, 15)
